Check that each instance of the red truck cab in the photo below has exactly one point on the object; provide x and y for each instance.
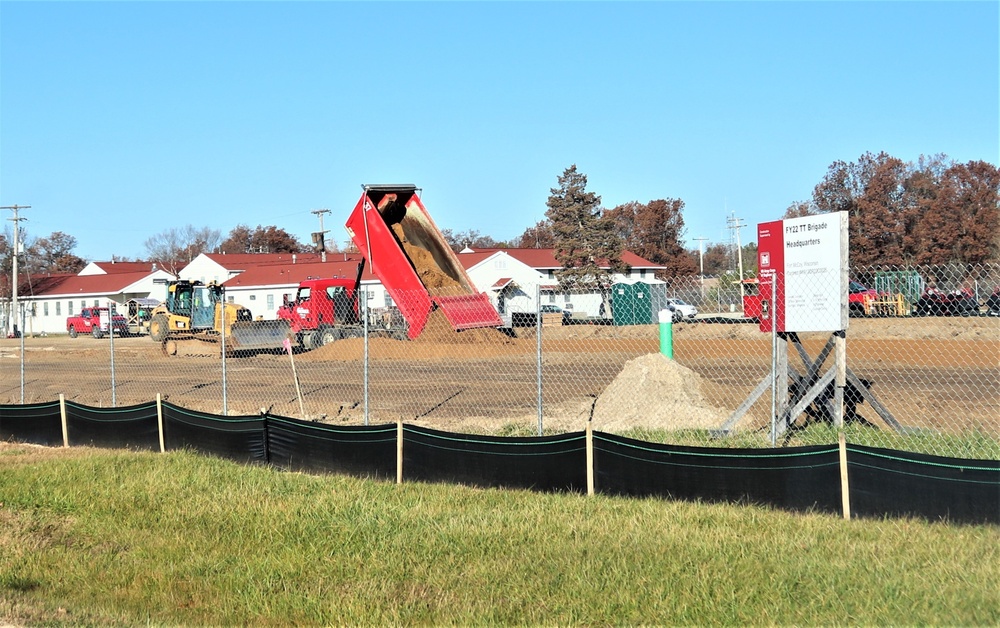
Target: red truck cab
(320, 310)
(94, 321)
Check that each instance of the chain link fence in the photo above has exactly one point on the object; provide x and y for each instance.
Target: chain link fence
(921, 366)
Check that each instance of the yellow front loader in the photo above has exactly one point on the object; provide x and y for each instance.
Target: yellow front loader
(195, 314)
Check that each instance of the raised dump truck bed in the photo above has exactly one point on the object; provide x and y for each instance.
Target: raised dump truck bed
(407, 252)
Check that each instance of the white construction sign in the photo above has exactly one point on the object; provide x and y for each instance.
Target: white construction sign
(808, 256)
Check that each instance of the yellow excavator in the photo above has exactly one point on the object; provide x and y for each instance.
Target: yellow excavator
(195, 314)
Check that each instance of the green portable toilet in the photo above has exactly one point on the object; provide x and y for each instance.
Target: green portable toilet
(908, 283)
(631, 304)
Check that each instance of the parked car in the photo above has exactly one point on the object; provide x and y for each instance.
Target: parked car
(934, 302)
(681, 309)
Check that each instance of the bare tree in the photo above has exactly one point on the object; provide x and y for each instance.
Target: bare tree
(175, 247)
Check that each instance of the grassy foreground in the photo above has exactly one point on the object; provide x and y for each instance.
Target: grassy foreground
(103, 537)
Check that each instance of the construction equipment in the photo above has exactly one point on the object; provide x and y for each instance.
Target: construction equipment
(326, 310)
(195, 313)
(138, 314)
(410, 256)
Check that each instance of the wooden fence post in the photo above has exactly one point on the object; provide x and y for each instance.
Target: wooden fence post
(62, 415)
(845, 493)
(399, 451)
(159, 420)
(590, 458)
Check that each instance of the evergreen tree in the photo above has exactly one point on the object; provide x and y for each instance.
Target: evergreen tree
(584, 238)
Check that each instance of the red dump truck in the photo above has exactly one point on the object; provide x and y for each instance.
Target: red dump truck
(407, 252)
(410, 256)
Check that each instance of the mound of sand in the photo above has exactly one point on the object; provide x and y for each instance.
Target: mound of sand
(654, 392)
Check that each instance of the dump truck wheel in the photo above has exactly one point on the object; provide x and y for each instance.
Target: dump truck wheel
(72, 332)
(159, 328)
(97, 333)
(309, 340)
(328, 335)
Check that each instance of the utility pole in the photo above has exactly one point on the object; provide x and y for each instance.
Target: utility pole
(736, 224)
(701, 264)
(322, 234)
(17, 244)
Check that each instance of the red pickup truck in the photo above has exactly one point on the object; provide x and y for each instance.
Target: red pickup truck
(94, 321)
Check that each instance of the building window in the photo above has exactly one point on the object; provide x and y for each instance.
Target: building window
(388, 299)
(58, 308)
(500, 264)
(552, 297)
(642, 273)
(230, 299)
(552, 274)
(97, 302)
(253, 297)
(45, 308)
(270, 302)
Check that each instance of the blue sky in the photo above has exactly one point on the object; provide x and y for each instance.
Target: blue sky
(121, 120)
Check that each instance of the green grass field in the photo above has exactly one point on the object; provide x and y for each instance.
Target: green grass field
(103, 537)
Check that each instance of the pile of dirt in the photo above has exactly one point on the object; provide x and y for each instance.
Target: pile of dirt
(654, 392)
(438, 330)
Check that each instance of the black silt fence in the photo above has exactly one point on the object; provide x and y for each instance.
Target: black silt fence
(242, 439)
(885, 482)
(36, 423)
(544, 463)
(364, 451)
(881, 482)
(133, 427)
(799, 478)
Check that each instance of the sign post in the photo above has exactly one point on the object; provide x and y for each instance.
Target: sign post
(804, 278)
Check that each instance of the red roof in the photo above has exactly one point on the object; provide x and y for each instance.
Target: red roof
(244, 261)
(127, 267)
(291, 274)
(74, 285)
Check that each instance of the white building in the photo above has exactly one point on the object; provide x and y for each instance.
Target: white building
(513, 276)
(50, 299)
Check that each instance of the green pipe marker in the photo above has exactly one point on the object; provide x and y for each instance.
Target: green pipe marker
(667, 333)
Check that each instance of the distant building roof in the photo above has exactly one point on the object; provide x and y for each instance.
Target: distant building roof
(291, 274)
(244, 261)
(107, 268)
(84, 285)
(546, 258)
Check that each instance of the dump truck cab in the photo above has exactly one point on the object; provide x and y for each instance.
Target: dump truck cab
(322, 302)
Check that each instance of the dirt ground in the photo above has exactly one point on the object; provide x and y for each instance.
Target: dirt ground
(937, 372)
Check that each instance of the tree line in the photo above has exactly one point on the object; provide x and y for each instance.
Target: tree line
(932, 211)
